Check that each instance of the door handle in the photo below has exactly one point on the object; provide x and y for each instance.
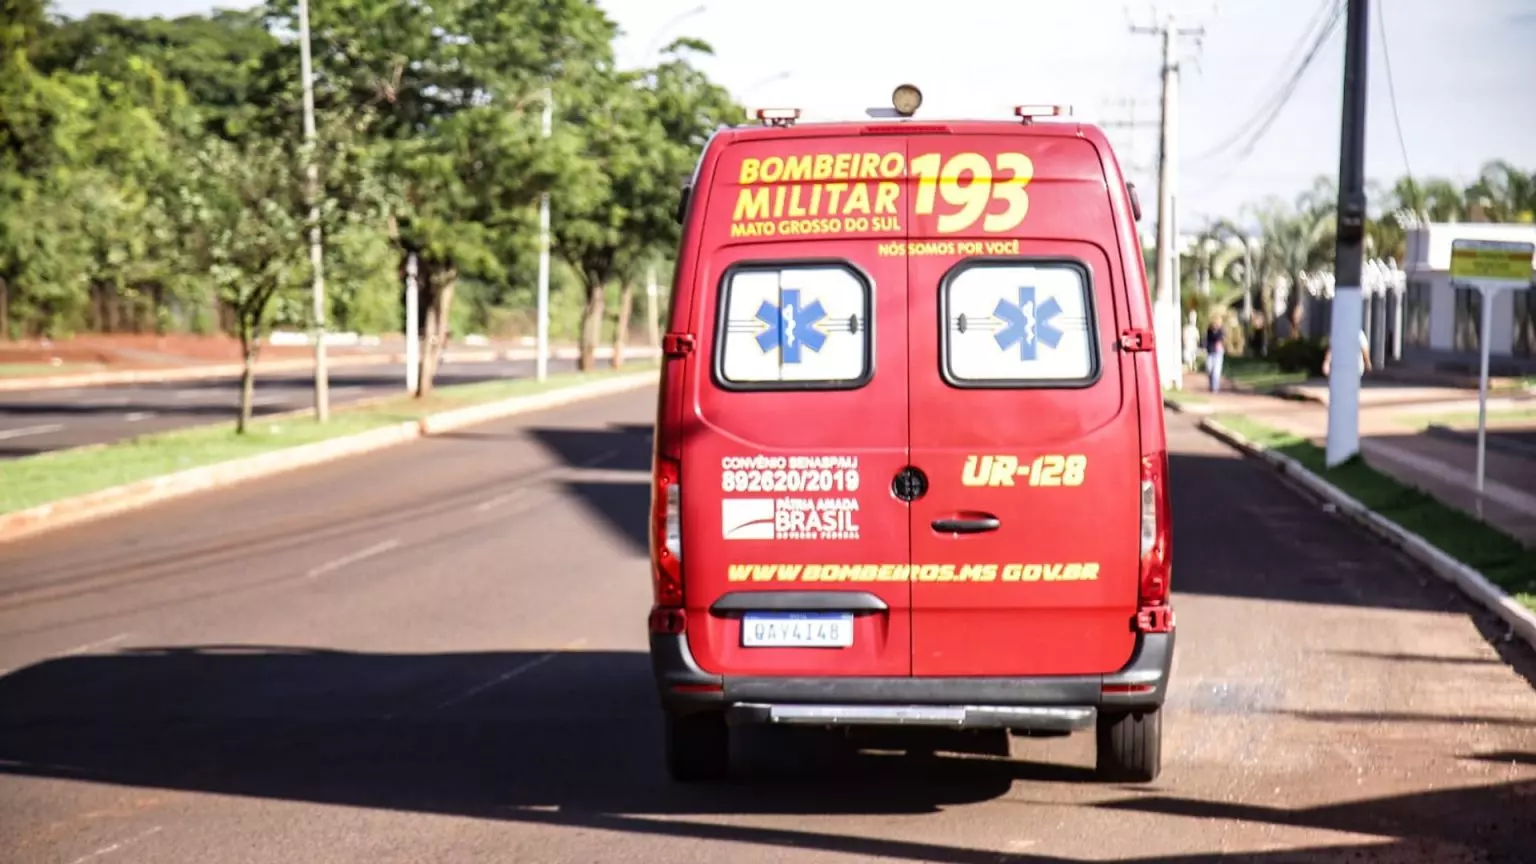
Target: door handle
(967, 523)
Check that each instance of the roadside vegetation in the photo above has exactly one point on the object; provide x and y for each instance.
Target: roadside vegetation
(1499, 557)
(35, 480)
(155, 175)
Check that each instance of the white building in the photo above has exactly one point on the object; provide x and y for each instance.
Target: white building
(1440, 323)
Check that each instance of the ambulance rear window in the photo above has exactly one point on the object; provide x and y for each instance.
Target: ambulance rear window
(1018, 324)
(793, 326)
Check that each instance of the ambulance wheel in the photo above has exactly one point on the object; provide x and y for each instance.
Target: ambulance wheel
(698, 747)
(1130, 746)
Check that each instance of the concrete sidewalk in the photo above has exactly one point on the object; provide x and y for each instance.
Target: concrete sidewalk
(1394, 441)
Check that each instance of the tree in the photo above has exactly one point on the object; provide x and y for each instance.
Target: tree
(456, 88)
(242, 214)
(1503, 193)
(643, 137)
(1295, 239)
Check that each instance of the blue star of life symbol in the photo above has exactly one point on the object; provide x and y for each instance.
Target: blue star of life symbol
(1029, 324)
(791, 326)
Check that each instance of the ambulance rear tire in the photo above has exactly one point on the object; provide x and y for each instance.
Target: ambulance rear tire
(1130, 746)
(698, 747)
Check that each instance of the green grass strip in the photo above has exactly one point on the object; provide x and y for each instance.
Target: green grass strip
(1257, 374)
(34, 480)
(1498, 556)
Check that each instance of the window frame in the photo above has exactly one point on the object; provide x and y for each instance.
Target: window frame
(1090, 311)
(722, 324)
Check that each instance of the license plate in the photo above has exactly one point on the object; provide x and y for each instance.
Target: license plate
(797, 630)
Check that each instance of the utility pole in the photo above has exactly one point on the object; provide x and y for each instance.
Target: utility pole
(1166, 303)
(541, 363)
(412, 337)
(1344, 330)
(316, 256)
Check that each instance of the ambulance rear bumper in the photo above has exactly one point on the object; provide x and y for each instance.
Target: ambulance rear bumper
(1053, 703)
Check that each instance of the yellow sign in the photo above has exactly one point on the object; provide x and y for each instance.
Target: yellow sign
(860, 193)
(1052, 469)
(1492, 260)
(1016, 572)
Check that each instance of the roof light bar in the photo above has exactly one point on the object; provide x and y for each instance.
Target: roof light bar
(1029, 112)
(778, 116)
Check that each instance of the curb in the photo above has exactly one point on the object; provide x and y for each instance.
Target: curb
(142, 493)
(1186, 407)
(1469, 437)
(1472, 583)
(229, 370)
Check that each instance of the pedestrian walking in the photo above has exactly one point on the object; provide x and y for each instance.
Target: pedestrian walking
(1215, 352)
(1191, 343)
(1365, 356)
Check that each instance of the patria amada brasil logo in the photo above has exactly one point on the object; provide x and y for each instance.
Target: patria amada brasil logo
(791, 326)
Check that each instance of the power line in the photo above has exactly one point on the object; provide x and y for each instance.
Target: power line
(1319, 20)
(1397, 122)
(1277, 102)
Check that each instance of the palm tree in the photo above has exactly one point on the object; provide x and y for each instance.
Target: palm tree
(1503, 193)
(1433, 200)
(1296, 239)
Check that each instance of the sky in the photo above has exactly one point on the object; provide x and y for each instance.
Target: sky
(1464, 74)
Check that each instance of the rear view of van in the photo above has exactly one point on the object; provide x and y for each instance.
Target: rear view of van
(909, 457)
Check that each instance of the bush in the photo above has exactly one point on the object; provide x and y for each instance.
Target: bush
(1299, 355)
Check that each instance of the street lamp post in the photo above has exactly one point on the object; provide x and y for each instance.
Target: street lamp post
(316, 254)
(541, 361)
(655, 43)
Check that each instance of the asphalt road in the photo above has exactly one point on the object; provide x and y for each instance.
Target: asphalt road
(37, 421)
(437, 653)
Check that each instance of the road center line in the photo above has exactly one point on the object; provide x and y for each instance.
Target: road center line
(330, 566)
(92, 646)
(119, 845)
(499, 500)
(136, 416)
(30, 430)
(492, 503)
(510, 674)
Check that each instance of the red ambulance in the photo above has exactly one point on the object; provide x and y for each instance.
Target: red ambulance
(910, 464)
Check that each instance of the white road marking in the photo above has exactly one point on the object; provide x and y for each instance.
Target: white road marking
(499, 500)
(136, 416)
(510, 674)
(107, 850)
(519, 492)
(30, 430)
(330, 566)
(92, 646)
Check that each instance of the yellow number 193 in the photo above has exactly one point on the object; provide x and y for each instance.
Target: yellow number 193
(973, 197)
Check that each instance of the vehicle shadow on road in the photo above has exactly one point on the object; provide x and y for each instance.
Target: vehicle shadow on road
(469, 734)
(560, 739)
